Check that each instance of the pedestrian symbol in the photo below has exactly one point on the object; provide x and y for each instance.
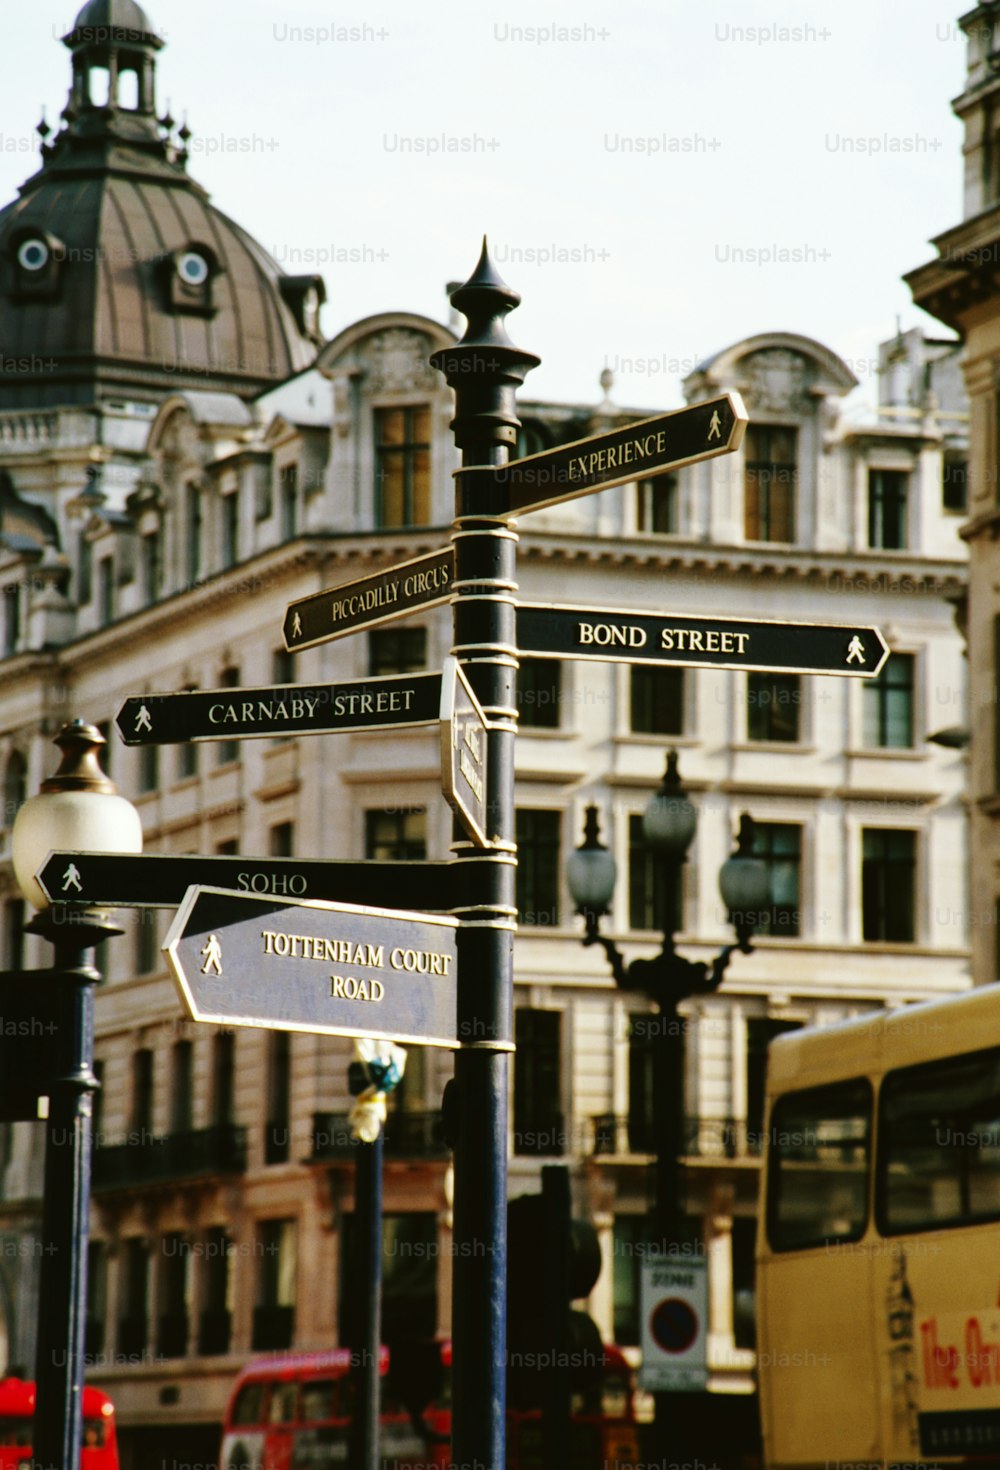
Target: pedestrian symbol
(715, 426)
(212, 955)
(296, 626)
(71, 878)
(855, 651)
(142, 720)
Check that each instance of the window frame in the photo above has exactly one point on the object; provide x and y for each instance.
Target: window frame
(773, 1125)
(766, 511)
(879, 689)
(406, 450)
(882, 507)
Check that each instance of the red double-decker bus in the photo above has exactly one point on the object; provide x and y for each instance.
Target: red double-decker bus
(17, 1416)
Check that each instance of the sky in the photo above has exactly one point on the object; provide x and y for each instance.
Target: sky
(658, 181)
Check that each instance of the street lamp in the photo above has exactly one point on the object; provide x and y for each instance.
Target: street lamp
(77, 809)
(669, 823)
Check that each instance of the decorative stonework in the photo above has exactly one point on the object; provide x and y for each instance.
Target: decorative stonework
(777, 381)
(398, 364)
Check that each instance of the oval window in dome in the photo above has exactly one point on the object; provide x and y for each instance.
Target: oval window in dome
(33, 254)
(192, 267)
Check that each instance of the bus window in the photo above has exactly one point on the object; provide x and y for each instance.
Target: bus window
(93, 1434)
(939, 1162)
(15, 1432)
(283, 1396)
(318, 1400)
(249, 1405)
(819, 1142)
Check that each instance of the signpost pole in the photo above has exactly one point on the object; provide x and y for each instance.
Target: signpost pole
(485, 370)
(366, 1338)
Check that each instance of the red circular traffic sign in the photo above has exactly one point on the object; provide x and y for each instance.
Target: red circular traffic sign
(673, 1325)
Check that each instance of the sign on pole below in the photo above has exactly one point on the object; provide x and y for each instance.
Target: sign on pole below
(423, 582)
(620, 635)
(673, 1310)
(463, 752)
(636, 452)
(161, 880)
(335, 969)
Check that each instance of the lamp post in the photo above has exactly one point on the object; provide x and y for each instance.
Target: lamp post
(669, 823)
(77, 809)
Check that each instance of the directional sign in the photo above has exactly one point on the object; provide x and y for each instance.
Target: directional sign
(463, 752)
(619, 635)
(395, 700)
(325, 967)
(423, 582)
(160, 880)
(637, 452)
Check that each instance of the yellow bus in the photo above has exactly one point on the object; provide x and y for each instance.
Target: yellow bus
(878, 1258)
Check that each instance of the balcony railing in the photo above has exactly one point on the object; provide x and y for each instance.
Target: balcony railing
(406, 1136)
(146, 1159)
(704, 1138)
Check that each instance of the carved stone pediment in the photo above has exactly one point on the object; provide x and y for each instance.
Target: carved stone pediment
(397, 363)
(778, 380)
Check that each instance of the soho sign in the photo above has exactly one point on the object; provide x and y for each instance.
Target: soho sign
(294, 884)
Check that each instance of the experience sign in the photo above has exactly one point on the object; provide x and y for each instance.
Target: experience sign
(616, 635)
(651, 447)
(423, 582)
(331, 968)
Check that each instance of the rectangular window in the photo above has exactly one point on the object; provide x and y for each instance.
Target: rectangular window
(97, 1298)
(538, 1118)
(142, 1093)
(282, 666)
(939, 1162)
(761, 1031)
(403, 466)
(656, 506)
(193, 533)
(274, 1315)
(182, 1087)
(655, 887)
(817, 1188)
(282, 840)
(227, 751)
(955, 483)
(13, 933)
(409, 1289)
(888, 880)
(539, 693)
(537, 875)
(656, 701)
(86, 571)
(175, 1287)
(149, 768)
(223, 1078)
(277, 1131)
(152, 566)
(289, 482)
(147, 941)
(641, 1064)
(888, 492)
(187, 760)
(773, 704)
(231, 528)
(779, 845)
(133, 1326)
(11, 617)
(771, 483)
(397, 650)
(887, 705)
(106, 589)
(399, 836)
(215, 1322)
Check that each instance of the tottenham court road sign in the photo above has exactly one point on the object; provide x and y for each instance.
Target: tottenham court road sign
(651, 447)
(463, 752)
(161, 880)
(619, 635)
(331, 968)
(423, 582)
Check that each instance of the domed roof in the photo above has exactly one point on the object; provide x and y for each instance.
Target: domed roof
(117, 274)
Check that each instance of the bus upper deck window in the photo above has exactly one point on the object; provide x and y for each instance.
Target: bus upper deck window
(819, 1149)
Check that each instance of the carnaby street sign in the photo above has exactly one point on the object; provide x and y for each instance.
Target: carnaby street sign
(617, 635)
(463, 752)
(394, 700)
(423, 582)
(636, 452)
(335, 969)
(160, 880)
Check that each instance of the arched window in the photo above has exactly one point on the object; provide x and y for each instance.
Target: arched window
(15, 786)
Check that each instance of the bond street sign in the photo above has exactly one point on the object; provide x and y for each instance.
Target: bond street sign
(463, 752)
(160, 880)
(651, 447)
(423, 582)
(326, 967)
(616, 635)
(395, 700)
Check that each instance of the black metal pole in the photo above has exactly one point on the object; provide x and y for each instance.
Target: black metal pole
(484, 369)
(62, 1297)
(366, 1343)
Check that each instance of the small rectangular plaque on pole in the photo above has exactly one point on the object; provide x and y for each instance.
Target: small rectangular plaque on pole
(463, 752)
